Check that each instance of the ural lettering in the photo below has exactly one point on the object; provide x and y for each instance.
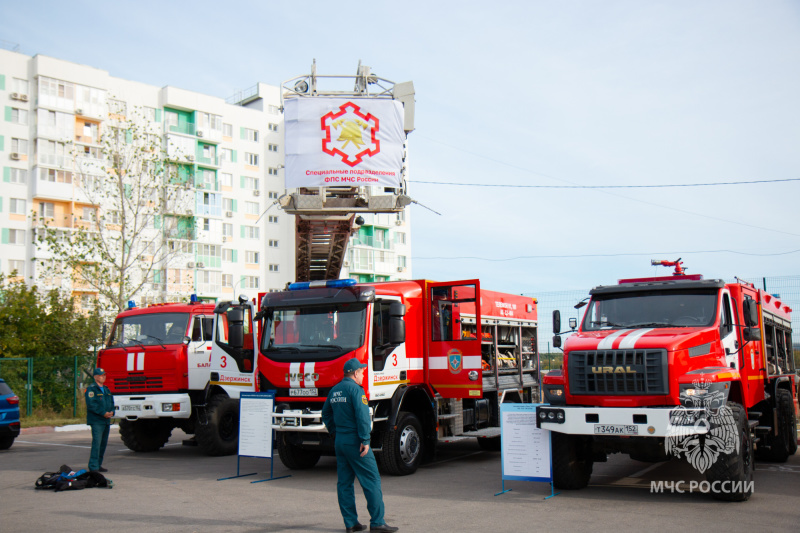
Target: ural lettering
(613, 370)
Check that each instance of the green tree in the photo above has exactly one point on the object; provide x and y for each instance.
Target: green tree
(50, 329)
(136, 198)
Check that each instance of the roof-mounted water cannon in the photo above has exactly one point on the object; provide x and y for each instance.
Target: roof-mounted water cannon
(679, 270)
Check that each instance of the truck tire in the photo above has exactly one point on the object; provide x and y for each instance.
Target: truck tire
(402, 445)
(489, 444)
(145, 435)
(736, 467)
(783, 445)
(6, 442)
(572, 461)
(220, 436)
(292, 456)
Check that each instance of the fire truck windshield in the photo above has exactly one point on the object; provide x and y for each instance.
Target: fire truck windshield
(318, 332)
(152, 329)
(651, 309)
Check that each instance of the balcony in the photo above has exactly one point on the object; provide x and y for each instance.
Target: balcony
(187, 128)
(52, 190)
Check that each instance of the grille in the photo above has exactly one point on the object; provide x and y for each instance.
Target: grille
(141, 383)
(618, 372)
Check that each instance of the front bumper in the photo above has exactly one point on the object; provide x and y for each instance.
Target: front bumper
(299, 420)
(622, 421)
(152, 406)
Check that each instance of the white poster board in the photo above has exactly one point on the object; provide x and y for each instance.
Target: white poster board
(255, 423)
(525, 449)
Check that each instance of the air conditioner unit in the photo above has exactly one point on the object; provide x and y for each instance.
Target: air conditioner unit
(23, 97)
(201, 265)
(190, 264)
(256, 192)
(347, 263)
(190, 157)
(14, 96)
(189, 213)
(224, 239)
(398, 222)
(229, 214)
(79, 111)
(201, 185)
(401, 269)
(199, 133)
(15, 156)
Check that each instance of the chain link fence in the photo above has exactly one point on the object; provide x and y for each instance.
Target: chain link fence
(786, 288)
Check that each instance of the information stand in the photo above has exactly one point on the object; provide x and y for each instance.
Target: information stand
(525, 449)
(255, 430)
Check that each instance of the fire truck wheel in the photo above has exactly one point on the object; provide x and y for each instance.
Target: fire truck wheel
(784, 444)
(292, 456)
(221, 435)
(572, 461)
(402, 446)
(489, 444)
(145, 435)
(735, 467)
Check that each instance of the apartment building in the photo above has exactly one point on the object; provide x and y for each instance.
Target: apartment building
(228, 238)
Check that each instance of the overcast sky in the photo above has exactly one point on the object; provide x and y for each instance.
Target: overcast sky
(526, 93)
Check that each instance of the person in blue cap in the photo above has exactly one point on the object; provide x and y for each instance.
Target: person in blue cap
(346, 415)
(99, 410)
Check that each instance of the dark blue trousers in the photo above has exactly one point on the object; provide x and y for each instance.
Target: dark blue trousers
(350, 465)
(99, 442)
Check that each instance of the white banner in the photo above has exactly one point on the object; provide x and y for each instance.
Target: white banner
(338, 141)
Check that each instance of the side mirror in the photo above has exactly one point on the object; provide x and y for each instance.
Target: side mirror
(751, 334)
(397, 330)
(557, 323)
(556, 341)
(397, 309)
(750, 309)
(235, 327)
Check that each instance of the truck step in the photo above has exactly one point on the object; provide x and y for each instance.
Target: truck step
(753, 415)
(763, 429)
(752, 423)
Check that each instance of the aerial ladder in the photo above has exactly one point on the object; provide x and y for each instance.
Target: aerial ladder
(326, 217)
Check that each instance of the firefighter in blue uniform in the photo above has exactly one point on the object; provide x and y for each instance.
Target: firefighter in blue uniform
(346, 415)
(99, 410)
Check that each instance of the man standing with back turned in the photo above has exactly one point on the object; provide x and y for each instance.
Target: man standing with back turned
(99, 410)
(346, 415)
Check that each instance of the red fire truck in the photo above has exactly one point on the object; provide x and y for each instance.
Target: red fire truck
(674, 366)
(164, 373)
(441, 358)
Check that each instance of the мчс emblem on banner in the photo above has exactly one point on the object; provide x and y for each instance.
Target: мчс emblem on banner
(454, 360)
(350, 134)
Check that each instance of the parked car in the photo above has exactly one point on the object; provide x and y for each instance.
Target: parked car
(9, 416)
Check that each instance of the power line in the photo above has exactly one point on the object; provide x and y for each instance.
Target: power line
(659, 186)
(621, 254)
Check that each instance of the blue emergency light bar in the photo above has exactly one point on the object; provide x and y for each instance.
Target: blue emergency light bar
(131, 304)
(332, 284)
(193, 299)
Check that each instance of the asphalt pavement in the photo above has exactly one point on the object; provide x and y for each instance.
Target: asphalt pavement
(177, 489)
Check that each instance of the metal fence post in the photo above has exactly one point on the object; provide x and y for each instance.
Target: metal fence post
(75, 386)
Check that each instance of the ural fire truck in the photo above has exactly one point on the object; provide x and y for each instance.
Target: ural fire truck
(674, 366)
(441, 358)
(164, 374)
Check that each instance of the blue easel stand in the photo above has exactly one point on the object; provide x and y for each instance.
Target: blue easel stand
(271, 476)
(238, 457)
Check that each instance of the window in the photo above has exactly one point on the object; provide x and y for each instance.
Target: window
(273, 127)
(115, 217)
(227, 255)
(251, 208)
(251, 135)
(60, 89)
(225, 154)
(273, 243)
(272, 171)
(19, 86)
(19, 116)
(18, 175)
(181, 246)
(227, 230)
(227, 280)
(250, 232)
(16, 265)
(226, 180)
(47, 209)
(171, 119)
(401, 261)
(19, 145)
(55, 176)
(273, 195)
(118, 107)
(252, 282)
(400, 237)
(149, 113)
(274, 110)
(17, 206)
(16, 236)
(206, 224)
(273, 219)
(227, 204)
(209, 152)
(251, 257)
(251, 159)
(88, 214)
(274, 268)
(250, 183)
(227, 130)
(272, 147)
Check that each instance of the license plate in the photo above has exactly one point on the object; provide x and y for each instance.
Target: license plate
(303, 392)
(130, 407)
(615, 429)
